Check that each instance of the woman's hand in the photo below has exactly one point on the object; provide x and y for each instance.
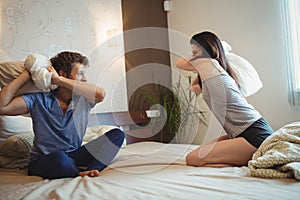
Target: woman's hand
(55, 78)
(195, 86)
(196, 89)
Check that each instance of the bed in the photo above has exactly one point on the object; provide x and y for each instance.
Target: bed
(149, 170)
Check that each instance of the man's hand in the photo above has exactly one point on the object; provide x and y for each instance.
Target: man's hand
(55, 78)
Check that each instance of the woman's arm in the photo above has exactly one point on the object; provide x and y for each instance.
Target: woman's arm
(190, 64)
(10, 105)
(185, 64)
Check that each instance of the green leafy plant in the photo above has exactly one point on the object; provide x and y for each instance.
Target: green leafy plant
(168, 104)
(177, 107)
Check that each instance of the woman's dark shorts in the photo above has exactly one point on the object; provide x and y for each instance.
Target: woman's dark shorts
(257, 132)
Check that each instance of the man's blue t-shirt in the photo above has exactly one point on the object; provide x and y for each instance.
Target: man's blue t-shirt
(54, 130)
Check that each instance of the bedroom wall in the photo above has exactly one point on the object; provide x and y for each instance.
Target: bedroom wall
(253, 28)
(93, 28)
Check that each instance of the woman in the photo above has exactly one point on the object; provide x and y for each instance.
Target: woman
(245, 127)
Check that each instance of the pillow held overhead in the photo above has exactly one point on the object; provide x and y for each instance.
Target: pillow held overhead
(36, 64)
(10, 71)
(247, 76)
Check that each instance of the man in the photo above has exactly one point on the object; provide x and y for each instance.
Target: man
(60, 119)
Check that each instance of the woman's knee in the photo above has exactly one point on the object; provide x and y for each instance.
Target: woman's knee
(189, 159)
(193, 159)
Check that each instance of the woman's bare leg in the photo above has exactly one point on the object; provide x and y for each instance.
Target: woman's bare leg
(218, 165)
(223, 137)
(228, 152)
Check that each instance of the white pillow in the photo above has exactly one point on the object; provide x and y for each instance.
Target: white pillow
(37, 65)
(94, 132)
(247, 76)
(12, 125)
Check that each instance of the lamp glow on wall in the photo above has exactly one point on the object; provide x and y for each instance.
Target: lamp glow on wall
(111, 36)
(108, 59)
(114, 38)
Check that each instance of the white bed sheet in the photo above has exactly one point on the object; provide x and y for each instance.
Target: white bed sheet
(150, 170)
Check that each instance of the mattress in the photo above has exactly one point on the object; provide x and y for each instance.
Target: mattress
(150, 170)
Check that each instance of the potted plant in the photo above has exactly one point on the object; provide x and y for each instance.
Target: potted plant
(179, 111)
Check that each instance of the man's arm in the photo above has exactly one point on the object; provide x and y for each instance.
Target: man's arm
(90, 91)
(10, 105)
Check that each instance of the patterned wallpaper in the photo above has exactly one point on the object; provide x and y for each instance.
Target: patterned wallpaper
(91, 27)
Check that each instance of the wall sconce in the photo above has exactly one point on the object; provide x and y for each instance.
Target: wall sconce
(113, 38)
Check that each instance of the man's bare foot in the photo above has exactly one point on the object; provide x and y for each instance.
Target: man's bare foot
(90, 173)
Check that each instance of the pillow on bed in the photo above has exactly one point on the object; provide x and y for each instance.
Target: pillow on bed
(14, 151)
(13, 125)
(10, 71)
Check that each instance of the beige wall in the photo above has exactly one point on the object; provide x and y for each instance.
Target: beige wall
(92, 28)
(253, 28)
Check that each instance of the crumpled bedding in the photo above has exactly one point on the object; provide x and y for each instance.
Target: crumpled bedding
(150, 170)
(279, 155)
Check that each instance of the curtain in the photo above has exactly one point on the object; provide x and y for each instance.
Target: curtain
(291, 21)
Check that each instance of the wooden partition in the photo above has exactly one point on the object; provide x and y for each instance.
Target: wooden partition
(140, 14)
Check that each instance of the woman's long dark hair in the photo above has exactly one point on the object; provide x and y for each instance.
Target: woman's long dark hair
(212, 48)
